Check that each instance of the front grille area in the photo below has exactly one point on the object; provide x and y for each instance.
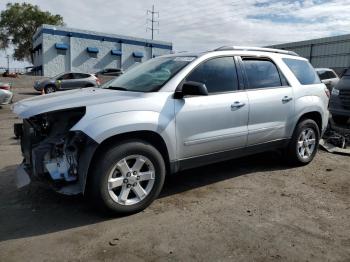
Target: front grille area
(344, 97)
(29, 138)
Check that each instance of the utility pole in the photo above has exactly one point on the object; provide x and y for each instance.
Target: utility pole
(153, 21)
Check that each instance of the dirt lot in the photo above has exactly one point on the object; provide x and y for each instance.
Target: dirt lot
(250, 209)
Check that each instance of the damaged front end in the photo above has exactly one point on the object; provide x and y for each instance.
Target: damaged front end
(54, 154)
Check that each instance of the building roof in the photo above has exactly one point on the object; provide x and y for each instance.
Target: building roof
(93, 35)
(323, 40)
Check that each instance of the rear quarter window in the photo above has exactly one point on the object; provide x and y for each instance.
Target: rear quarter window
(303, 71)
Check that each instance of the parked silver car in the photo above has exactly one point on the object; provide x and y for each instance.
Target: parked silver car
(66, 81)
(172, 113)
(328, 76)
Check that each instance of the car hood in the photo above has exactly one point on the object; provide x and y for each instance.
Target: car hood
(71, 99)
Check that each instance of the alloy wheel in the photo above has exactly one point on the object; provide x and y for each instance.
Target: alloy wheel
(306, 143)
(131, 180)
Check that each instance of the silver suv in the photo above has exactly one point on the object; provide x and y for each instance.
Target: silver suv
(117, 143)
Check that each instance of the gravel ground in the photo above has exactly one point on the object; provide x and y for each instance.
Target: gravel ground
(249, 209)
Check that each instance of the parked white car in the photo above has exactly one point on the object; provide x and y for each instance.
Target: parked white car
(6, 94)
(328, 76)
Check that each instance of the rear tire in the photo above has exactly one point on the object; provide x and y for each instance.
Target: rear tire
(303, 146)
(340, 120)
(127, 177)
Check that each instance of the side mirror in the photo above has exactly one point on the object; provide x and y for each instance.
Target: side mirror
(191, 88)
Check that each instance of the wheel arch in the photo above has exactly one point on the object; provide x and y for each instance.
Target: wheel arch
(314, 115)
(151, 137)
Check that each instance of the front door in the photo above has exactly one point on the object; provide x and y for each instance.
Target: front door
(213, 123)
(66, 81)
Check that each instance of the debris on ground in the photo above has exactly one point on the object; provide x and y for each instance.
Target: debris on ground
(336, 140)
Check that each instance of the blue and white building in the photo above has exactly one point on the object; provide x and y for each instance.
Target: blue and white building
(61, 49)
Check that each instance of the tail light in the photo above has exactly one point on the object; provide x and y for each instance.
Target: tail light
(98, 82)
(327, 92)
(5, 86)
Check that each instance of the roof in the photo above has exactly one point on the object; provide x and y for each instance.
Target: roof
(323, 40)
(86, 34)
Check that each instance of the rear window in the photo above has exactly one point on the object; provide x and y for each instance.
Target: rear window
(323, 74)
(303, 71)
(261, 73)
(331, 74)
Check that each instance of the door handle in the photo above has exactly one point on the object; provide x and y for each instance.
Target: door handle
(237, 105)
(286, 99)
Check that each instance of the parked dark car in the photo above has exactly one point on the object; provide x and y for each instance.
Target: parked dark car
(66, 81)
(110, 72)
(339, 104)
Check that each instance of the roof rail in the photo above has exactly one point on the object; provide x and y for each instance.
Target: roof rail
(261, 49)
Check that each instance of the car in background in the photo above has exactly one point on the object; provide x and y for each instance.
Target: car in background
(339, 104)
(328, 77)
(66, 81)
(6, 94)
(110, 72)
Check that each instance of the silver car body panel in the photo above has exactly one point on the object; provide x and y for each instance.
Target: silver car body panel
(192, 126)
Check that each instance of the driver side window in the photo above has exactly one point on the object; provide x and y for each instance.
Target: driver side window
(66, 76)
(218, 74)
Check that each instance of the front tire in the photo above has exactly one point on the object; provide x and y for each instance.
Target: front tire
(49, 89)
(127, 177)
(304, 143)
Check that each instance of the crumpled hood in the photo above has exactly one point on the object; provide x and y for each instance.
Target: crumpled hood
(70, 99)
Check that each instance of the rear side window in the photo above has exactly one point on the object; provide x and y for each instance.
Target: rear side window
(218, 74)
(261, 73)
(303, 71)
(323, 75)
(331, 74)
(80, 76)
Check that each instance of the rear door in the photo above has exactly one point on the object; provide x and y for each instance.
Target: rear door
(80, 80)
(271, 104)
(213, 123)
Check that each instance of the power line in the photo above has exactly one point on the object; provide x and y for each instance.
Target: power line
(153, 21)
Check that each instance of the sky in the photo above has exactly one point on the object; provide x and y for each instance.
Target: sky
(198, 25)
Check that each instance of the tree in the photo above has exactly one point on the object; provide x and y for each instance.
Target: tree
(19, 22)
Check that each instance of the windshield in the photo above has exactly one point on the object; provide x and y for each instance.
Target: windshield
(149, 76)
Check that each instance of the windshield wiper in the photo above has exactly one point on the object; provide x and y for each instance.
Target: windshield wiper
(117, 88)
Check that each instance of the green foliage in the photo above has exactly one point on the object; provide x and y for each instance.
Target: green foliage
(20, 22)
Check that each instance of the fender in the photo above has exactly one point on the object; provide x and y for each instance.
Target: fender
(101, 128)
(308, 104)
(106, 126)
